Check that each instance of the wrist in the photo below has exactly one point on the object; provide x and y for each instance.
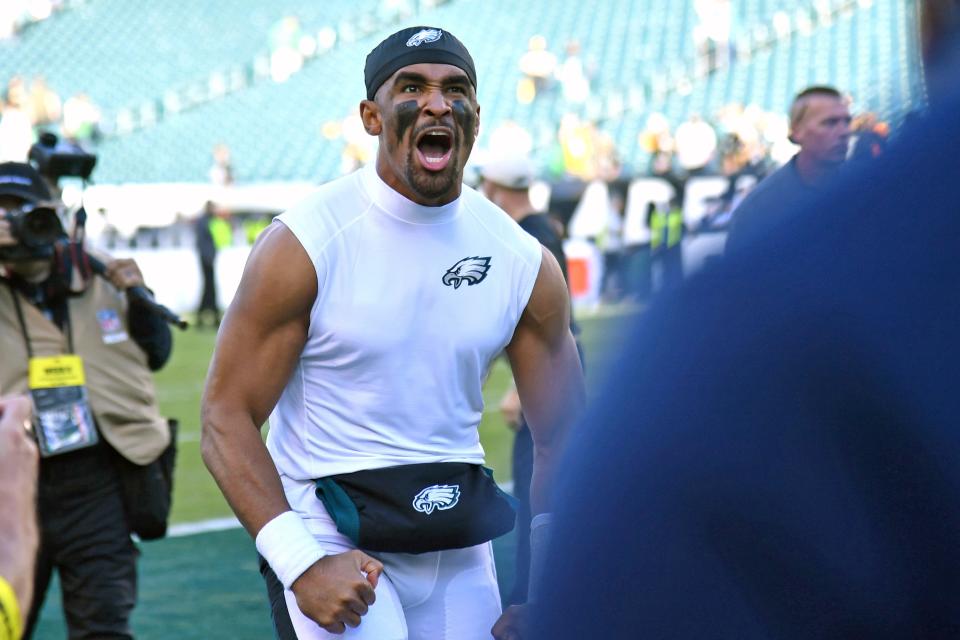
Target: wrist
(540, 531)
(288, 547)
(544, 519)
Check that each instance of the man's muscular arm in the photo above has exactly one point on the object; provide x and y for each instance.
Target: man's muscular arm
(258, 347)
(546, 367)
(259, 343)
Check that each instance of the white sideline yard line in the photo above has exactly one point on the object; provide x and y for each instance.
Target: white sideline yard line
(203, 526)
(225, 524)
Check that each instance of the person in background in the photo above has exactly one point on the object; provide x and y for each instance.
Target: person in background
(696, 145)
(789, 467)
(84, 352)
(538, 66)
(573, 76)
(286, 55)
(207, 248)
(45, 105)
(820, 125)
(81, 119)
(666, 242)
(613, 282)
(16, 130)
(870, 137)
(221, 170)
(506, 183)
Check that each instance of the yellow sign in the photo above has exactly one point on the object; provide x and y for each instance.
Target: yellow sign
(56, 371)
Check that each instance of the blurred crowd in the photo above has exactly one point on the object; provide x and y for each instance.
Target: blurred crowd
(30, 108)
(589, 182)
(15, 15)
(585, 175)
(542, 71)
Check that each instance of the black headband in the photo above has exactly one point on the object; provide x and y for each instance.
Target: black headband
(415, 45)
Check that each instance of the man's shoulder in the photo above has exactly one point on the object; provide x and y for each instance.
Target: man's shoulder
(330, 205)
(498, 223)
(780, 185)
(327, 211)
(332, 196)
(773, 196)
(477, 203)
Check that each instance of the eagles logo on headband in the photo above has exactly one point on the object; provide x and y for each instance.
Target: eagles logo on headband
(415, 45)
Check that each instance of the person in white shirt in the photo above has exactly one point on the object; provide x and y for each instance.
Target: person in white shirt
(364, 325)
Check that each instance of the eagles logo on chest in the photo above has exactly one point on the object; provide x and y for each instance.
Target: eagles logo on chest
(470, 270)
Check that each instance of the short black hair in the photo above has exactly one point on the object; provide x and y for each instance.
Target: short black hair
(798, 108)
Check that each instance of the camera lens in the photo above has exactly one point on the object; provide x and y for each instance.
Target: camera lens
(40, 226)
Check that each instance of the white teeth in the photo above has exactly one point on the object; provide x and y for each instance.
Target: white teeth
(434, 158)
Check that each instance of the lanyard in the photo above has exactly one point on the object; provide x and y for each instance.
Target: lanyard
(23, 323)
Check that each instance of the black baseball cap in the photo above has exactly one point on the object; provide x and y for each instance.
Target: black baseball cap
(415, 45)
(22, 180)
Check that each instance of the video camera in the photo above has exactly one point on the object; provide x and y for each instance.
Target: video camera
(56, 158)
(36, 225)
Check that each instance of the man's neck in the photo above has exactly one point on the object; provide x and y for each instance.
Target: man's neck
(811, 172)
(395, 182)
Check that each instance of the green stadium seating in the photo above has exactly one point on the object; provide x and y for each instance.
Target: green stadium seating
(637, 49)
(123, 53)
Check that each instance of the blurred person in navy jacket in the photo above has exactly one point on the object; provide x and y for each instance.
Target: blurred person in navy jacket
(791, 467)
(820, 126)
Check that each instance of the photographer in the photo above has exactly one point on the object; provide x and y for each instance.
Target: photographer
(85, 355)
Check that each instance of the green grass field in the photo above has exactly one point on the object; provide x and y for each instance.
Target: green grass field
(207, 585)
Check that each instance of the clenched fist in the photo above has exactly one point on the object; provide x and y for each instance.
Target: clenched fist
(338, 589)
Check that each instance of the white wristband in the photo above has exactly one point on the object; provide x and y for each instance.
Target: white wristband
(288, 547)
(541, 520)
(539, 539)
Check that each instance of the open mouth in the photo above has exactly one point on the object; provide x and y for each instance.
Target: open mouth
(435, 148)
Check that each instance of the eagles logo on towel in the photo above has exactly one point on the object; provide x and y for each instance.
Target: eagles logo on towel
(438, 496)
(470, 270)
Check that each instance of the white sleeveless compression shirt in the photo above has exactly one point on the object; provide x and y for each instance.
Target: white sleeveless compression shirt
(413, 304)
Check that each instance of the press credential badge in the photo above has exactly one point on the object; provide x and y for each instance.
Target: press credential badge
(63, 420)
